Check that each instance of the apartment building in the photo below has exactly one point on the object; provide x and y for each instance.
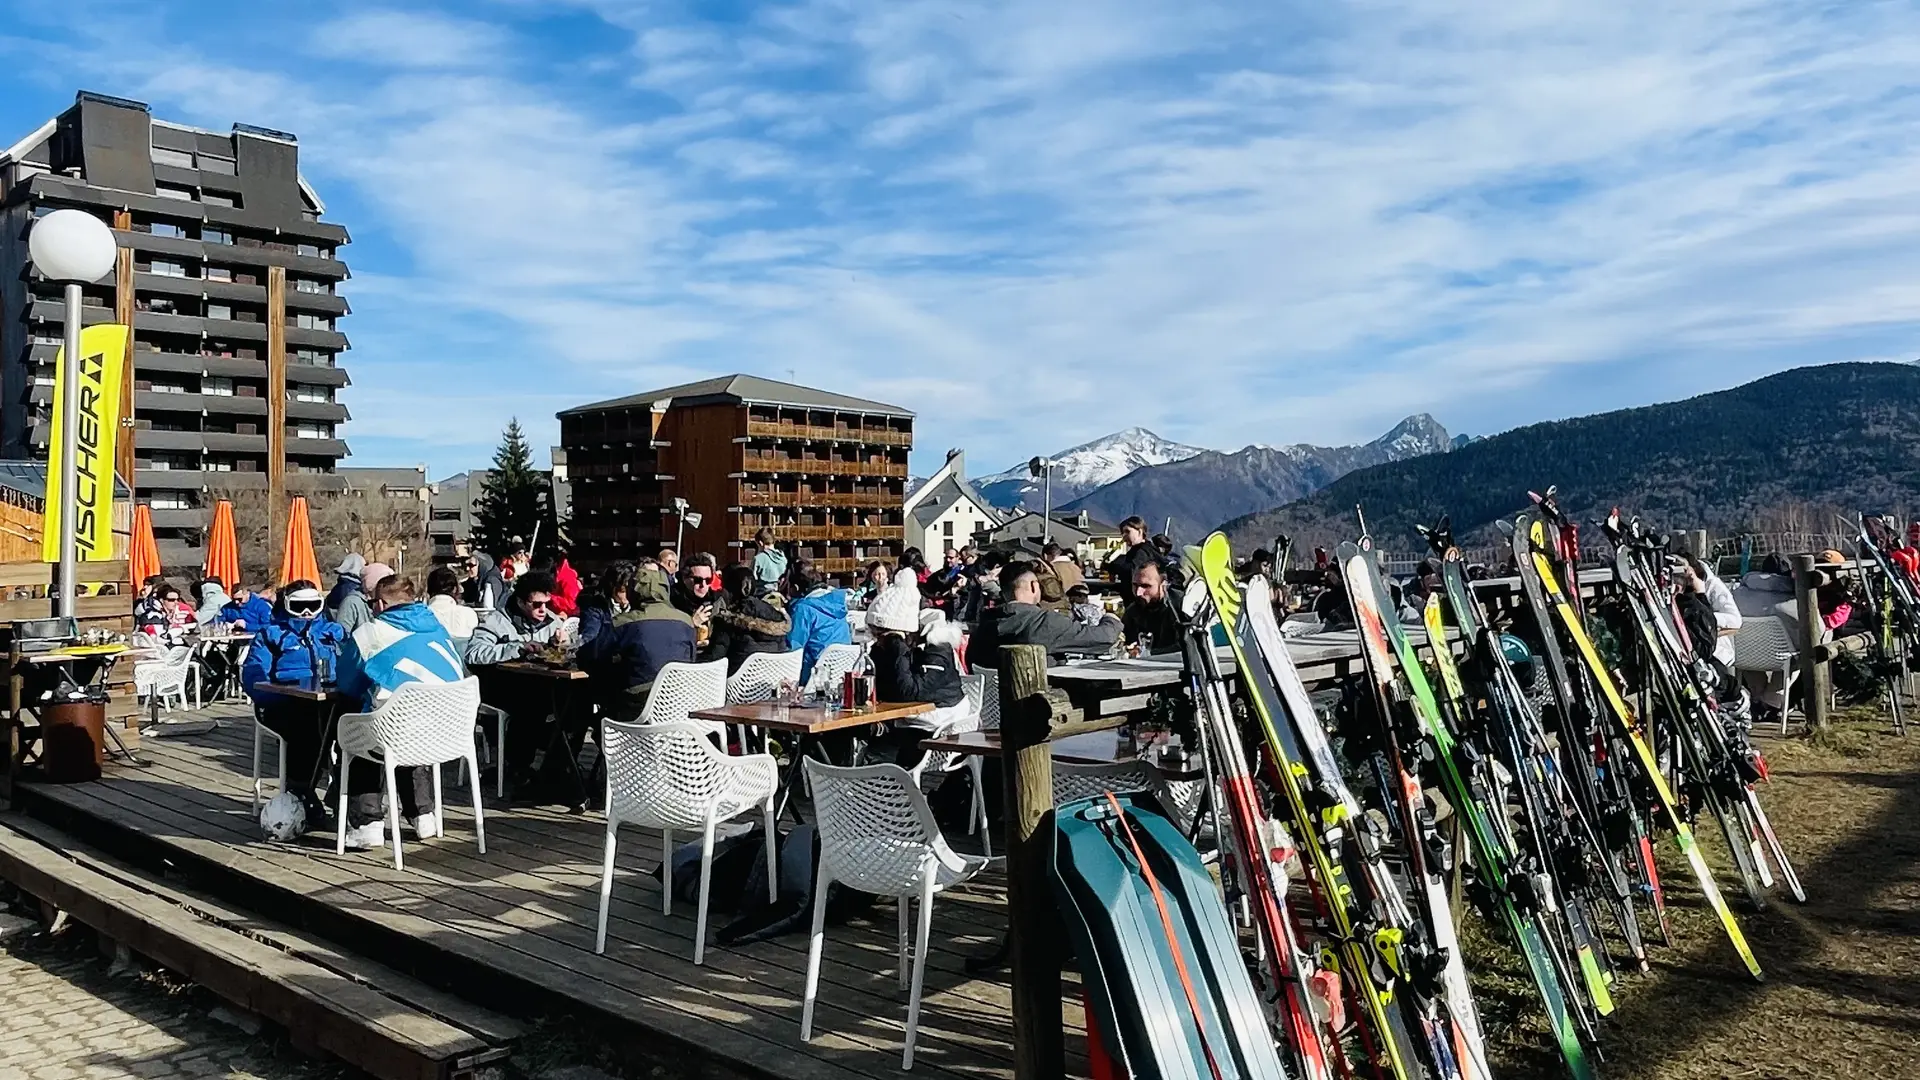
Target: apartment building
(229, 279)
(826, 472)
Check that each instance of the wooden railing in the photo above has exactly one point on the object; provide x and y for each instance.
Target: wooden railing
(817, 467)
(788, 430)
(833, 533)
(817, 498)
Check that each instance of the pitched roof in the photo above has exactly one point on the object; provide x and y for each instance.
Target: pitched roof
(745, 389)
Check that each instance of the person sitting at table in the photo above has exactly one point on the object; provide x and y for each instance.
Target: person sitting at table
(1020, 620)
(346, 582)
(693, 584)
(213, 598)
(610, 596)
(356, 609)
(403, 643)
(1083, 607)
(819, 616)
(876, 579)
(1151, 622)
(292, 648)
(744, 620)
(484, 588)
(443, 599)
(668, 560)
(180, 614)
(149, 611)
(247, 610)
(499, 638)
(913, 660)
(647, 634)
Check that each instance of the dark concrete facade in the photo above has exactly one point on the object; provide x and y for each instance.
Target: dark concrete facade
(230, 263)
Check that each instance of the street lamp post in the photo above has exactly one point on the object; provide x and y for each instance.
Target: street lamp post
(1043, 467)
(73, 248)
(685, 517)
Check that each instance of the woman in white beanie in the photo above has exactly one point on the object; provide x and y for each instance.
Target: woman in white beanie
(913, 660)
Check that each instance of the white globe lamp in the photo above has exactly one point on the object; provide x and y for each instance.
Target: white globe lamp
(74, 248)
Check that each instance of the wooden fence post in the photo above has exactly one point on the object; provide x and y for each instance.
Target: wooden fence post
(1033, 934)
(1815, 680)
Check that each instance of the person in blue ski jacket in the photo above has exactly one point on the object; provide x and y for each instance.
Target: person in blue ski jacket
(403, 643)
(295, 646)
(819, 617)
(249, 610)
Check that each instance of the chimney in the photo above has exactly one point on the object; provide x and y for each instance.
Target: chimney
(1081, 519)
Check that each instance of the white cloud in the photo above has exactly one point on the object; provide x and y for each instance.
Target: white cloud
(408, 39)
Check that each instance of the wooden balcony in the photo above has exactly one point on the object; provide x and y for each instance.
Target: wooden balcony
(780, 463)
(803, 499)
(787, 429)
(830, 533)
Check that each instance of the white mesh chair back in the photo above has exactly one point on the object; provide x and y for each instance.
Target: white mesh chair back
(166, 677)
(1073, 780)
(831, 666)
(877, 833)
(759, 678)
(1761, 644)
(420, 724)
(682, 688)
(667, 775)
(989, 700)
(945, 761)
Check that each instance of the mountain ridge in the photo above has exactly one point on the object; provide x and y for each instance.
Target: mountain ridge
(1206, 489)
(1841, 435)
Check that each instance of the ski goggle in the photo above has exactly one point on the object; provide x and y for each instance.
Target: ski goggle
(306, 603)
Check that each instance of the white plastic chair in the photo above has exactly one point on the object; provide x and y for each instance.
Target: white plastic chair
(989, 700)
(878, 835)
(831, 666)
(682, 689)
(1761, 645)
(669, 776)
(421, 724)
(166, 678)
(939, 762)
(260, 729)
(759, 679)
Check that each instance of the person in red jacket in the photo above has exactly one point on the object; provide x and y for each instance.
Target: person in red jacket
(1908, 558)
(566, 593)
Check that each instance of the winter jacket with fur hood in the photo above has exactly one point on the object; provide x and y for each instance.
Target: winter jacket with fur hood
(744, 625)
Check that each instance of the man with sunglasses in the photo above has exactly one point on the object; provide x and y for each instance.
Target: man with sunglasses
(527, 618)
(295, 646)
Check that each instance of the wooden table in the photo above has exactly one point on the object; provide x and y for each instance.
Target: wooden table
(807, 723)
(226, 643)
(328, 703)
(811, 719)
(562, 683)
(67, 661)
(1089, 748)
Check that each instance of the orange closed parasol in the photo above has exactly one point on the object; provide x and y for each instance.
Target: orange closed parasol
(298, 563)
(223, 550)
(143, 555)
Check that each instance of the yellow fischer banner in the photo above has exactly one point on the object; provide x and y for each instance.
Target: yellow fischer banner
(102, 350)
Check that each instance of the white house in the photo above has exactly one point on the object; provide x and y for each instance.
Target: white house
(946, 511)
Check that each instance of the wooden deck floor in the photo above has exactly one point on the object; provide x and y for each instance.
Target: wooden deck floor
(526, 910)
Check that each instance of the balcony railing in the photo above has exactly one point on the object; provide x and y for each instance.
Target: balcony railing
(818, 498)
(779, 463)
(786, 429)
(826, 532)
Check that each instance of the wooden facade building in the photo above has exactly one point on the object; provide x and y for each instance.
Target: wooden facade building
(826, 472)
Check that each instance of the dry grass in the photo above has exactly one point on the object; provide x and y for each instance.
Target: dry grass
(1841, 996)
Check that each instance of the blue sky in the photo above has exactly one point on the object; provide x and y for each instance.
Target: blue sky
(1035, 223)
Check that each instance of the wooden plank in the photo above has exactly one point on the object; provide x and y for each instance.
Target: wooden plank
(490, 1026)
(568, 885)
(350, 1021)
(123, 457)
(546, 900)
(691, 1021)
(276, 408)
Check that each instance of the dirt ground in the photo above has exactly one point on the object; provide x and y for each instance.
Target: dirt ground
(1841, 997)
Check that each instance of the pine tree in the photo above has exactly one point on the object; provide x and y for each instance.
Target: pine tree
(514, 498)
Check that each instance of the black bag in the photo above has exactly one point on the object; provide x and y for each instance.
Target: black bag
(1702, 628)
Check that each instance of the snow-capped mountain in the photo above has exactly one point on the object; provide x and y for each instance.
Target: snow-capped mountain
(1203, 490)
(1084, 468)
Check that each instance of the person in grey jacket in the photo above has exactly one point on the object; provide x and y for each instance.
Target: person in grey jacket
(1020, 620)
(356, 610)
(500, 636)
